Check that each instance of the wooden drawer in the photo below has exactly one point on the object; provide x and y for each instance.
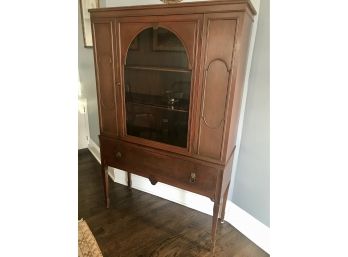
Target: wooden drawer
(172, 170)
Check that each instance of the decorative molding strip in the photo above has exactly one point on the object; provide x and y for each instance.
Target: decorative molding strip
(237, 217)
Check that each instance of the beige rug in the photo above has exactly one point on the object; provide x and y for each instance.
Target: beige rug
(88, 246)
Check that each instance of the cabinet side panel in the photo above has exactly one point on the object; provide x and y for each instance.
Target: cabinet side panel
(241, 58)
(220, 34)
(104, 53)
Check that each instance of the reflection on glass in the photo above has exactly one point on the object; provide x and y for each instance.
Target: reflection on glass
(157, 86)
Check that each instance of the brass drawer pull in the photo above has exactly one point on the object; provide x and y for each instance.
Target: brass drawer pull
(193, 177)
(118, 155)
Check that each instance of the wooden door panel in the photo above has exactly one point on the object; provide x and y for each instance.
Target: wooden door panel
(213, 109)
(104, 60)
(218, 56)
(215, 91)
(106, 82)
(220, 40)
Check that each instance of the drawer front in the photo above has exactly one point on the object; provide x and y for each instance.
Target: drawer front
(174, 171)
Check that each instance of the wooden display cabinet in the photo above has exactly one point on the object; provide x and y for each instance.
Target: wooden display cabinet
(169, 85)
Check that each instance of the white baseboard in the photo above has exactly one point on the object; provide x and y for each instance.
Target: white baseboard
(237, 217)
(83, 135)
(94, 149)
(252, 228)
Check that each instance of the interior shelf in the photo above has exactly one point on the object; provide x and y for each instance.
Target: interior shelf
(156, 102)
(169, 108)
(154, 68)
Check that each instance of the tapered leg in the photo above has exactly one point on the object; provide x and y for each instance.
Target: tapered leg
(223, 206)
(105, 176)
(214, 226)
(129, 181)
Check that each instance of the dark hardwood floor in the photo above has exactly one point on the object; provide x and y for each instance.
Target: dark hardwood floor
(142, 225)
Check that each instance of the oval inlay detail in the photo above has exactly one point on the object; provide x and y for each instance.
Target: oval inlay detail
(215, 94)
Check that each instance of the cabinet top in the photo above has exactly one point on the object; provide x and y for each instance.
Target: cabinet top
(177, 8)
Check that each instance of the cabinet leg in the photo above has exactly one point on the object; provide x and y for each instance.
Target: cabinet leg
(105, 176)
(223, 207)
(129, 180)
(214, 225)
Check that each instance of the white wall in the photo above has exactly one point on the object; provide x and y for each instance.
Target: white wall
(87, 80)
(251, 190)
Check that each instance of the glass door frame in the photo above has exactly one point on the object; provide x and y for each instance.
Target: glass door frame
(160, 21)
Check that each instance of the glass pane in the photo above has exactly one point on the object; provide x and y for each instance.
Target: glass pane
(157, 86)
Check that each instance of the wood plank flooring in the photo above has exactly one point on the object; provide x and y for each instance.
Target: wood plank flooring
(142, 225)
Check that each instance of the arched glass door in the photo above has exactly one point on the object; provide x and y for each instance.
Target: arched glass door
(157, 87)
